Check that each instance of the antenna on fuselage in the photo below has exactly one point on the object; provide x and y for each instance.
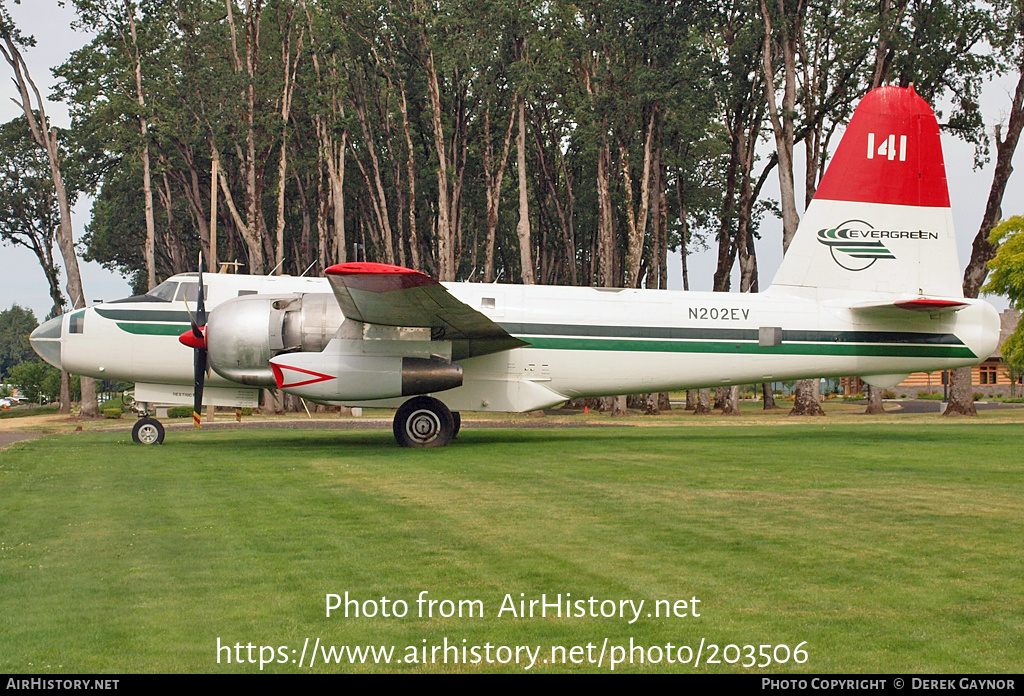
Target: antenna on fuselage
(307, 268)
(279, 264)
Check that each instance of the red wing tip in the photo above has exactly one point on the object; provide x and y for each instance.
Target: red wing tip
(378, 277)
(925, 304)
(367, 268)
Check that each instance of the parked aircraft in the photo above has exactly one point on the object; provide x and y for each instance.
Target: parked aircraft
(870, 286)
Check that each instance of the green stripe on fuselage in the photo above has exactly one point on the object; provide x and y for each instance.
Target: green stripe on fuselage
(725, 335)
(838, 349)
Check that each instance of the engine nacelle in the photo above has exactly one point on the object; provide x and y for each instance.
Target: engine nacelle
(333, 375)
(244, 333)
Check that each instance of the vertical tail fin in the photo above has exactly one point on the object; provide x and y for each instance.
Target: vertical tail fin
(880, 220)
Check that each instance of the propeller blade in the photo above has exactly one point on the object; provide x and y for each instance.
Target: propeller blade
(201, 367)
(199, 362)
(201, 301)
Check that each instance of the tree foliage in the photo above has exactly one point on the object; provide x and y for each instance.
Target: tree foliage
(384, 130)
(16, 324)
(1007, 278)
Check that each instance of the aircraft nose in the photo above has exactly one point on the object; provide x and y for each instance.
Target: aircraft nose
(46, 341)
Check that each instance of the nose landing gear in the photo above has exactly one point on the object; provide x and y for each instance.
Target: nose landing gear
(147, 430)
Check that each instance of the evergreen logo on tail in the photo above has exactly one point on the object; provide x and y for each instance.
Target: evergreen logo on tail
(854, 245)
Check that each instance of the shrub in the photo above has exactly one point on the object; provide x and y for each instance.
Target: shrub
(179, 412)
(112, 413)
(112, 405)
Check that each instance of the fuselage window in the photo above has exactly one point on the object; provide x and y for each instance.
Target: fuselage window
(76, 324)
(246, 292)
(164, 291)
(190, 292)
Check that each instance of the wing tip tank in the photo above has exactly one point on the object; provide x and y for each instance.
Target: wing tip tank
(377, 277)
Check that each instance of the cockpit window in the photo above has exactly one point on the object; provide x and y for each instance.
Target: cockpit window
(164, 291)
(190, 292)
(76, 325)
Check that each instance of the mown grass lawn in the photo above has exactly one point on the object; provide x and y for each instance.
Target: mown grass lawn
(883, 547)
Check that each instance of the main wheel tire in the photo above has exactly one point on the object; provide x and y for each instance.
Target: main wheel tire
(424, 421)
(148, 431)
(457, 420)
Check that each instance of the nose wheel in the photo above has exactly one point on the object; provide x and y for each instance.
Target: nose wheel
(148, 431)
(424, 421)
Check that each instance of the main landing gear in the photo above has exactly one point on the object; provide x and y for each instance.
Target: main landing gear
(424, 421)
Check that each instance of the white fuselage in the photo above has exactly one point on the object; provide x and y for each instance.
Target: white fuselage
(583, 341)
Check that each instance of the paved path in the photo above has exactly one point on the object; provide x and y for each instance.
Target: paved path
(11, 438)
(927, 406)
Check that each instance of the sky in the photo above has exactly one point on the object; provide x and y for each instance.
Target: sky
(22, 280)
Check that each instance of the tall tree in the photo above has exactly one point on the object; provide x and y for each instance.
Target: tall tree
(32, 215)
(34, 107)
(118, 25)
(1008, 38)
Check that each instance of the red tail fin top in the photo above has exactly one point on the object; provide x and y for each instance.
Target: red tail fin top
(891, 154)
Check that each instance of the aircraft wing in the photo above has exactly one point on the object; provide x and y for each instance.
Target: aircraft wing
(377, 293)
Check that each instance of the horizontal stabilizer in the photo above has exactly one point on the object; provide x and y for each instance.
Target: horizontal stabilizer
(898, 308)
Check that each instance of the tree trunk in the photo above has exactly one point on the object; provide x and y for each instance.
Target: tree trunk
(651, 404)
(637, 220)
(147, 184)
(605, 229)
(493, 176)
(703, 407)
(664, 404)
(272, 402)
(731, 403)
(523, 228)
(768, 396)
(446, 267)
(377, 194)
(65, 392)
(721, 398)
(410, 166)
(961, 393)
(287, 92)
(875, 406)
(806, 402)
(783, 128)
